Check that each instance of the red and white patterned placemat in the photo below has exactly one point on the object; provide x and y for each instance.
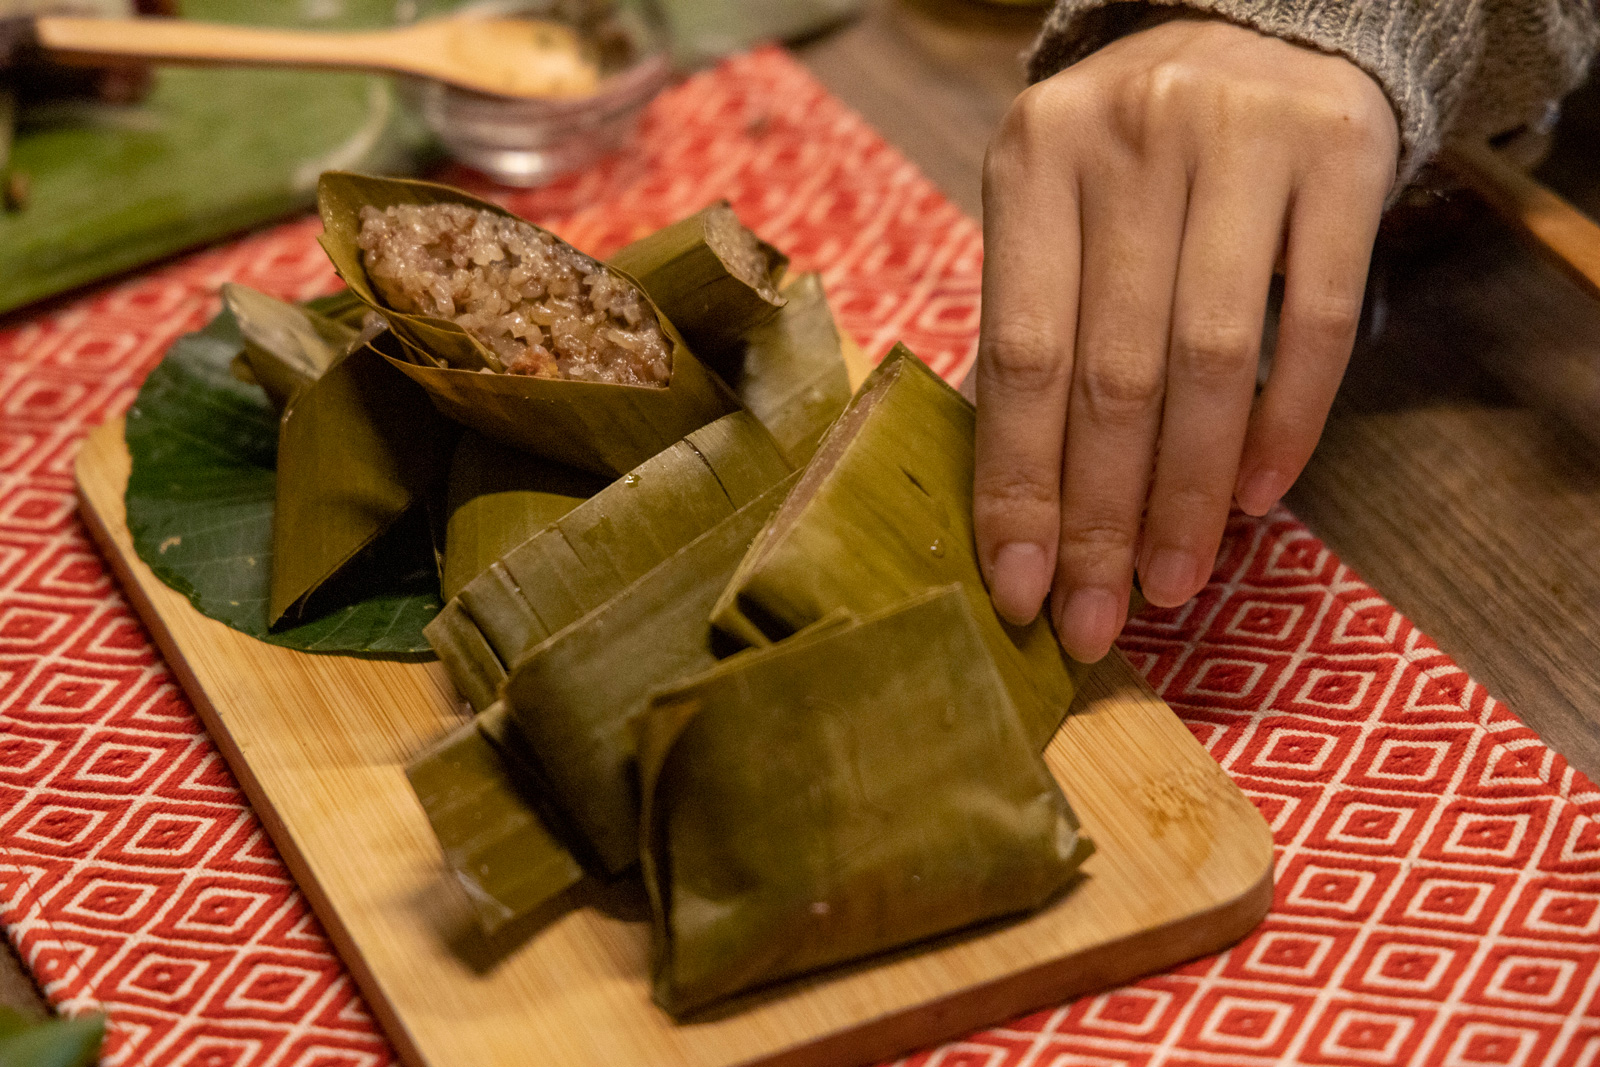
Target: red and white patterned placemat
(1438, 894)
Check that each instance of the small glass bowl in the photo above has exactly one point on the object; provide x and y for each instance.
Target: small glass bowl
(531, 142)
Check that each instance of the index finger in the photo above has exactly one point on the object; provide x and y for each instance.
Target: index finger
(1031, 231)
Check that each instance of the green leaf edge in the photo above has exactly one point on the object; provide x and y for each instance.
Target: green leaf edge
(319, 636)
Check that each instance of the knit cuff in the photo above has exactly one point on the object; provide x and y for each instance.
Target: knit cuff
(1386, 40)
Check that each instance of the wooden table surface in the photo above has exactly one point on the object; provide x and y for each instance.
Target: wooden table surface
(1455, 474)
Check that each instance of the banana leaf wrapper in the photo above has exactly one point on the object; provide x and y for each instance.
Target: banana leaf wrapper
(882, 513)
(286, 346)
(575, 696)
(689, 270)
(794, 376)
(600, 547)
(483, 805)
(357, 449)
(846, 792)
(599, 427)
(343, 306)
(496, 500)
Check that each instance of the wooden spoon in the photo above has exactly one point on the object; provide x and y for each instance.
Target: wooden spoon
(1563, 233)
(500, 56)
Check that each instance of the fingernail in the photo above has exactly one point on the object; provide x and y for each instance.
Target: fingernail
(1019, 580)
(1258, 492)
(1088, 622)
(1168, 580)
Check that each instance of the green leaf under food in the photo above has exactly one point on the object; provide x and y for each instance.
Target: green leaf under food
(574, 696)
(200, 504)
(55, 1042)
(856, 788)
(598, 548)
(884, 512)
(482, 803)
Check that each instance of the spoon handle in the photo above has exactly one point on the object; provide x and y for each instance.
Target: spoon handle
(515, 58)
(183, 41)
(1569, 237)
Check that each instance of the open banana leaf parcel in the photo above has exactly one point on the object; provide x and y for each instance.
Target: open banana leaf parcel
(513, 392)
(862, 786)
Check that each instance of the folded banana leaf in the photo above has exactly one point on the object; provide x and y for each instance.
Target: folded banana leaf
(497, 499)
(357, 448)
(845, 792)
(601, 546)
(712, 277)
(599, 427)
(884, 512)
(201, 490)
(286, 346)
(483, 805)
(794, 375)
(469, 660)
(575, 695)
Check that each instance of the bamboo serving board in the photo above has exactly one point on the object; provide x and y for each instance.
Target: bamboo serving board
(318, 743)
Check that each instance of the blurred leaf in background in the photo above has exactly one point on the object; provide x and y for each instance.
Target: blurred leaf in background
(59, 1042)
(705, 30)
(207, 153)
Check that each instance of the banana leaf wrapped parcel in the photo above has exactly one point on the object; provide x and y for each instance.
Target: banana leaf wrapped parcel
(512, 331)
(494, 502)
(358, 448)
(859, 787)
(884, 512)
(793, 373)
(482, 800)
(575, 695)
(595, 550)
(286, 346)
(712, 277)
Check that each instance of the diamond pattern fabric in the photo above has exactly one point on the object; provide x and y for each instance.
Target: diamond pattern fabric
(1438, 880)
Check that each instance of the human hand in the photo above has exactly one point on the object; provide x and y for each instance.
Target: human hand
(1134, 207)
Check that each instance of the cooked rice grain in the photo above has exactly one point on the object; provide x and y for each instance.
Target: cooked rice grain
(740, 251)
(542, 307)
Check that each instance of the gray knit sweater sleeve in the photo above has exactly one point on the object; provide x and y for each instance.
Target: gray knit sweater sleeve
(1469, 67)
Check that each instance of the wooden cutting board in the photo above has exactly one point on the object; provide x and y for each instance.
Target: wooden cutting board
(318, 743)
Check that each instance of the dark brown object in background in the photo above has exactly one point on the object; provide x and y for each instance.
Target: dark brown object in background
(125, 82)
(1569, 239)
(13, 185)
